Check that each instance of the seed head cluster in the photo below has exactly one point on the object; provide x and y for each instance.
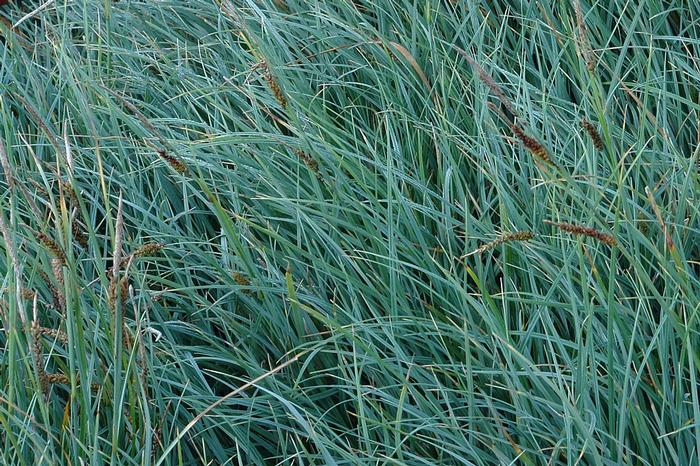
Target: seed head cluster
(274, 86)
(38, 356)
(52, 247)
(241, 279)
(515, 236)
(307, 159)
(532, 144)
(585, 231)
(593, 133)
(584, 44)
(148, 249)
(174, 162)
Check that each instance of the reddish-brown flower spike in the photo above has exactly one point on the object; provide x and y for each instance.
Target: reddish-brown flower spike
(593, 133)
(585, 231)
(174, 162)
(532, 144)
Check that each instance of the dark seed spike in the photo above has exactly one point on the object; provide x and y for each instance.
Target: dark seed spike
(593, 134)
(584, 231)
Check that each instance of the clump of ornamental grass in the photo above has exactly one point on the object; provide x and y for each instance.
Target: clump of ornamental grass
(584, 231)
(392, 347)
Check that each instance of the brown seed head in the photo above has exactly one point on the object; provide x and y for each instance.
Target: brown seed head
(583, 42)
(593, 133)
(68, 191)
(174, 162)
(307, 159)
(274, 86)
(56, 293)
(148, 249)
(78, 233)
(585, 231)
(532, 144)
(38, 355)
(52, 247)
(241, 279)
(54, 334)
(62, 379)
(6, 167)
(57, 268)
(515, 236)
